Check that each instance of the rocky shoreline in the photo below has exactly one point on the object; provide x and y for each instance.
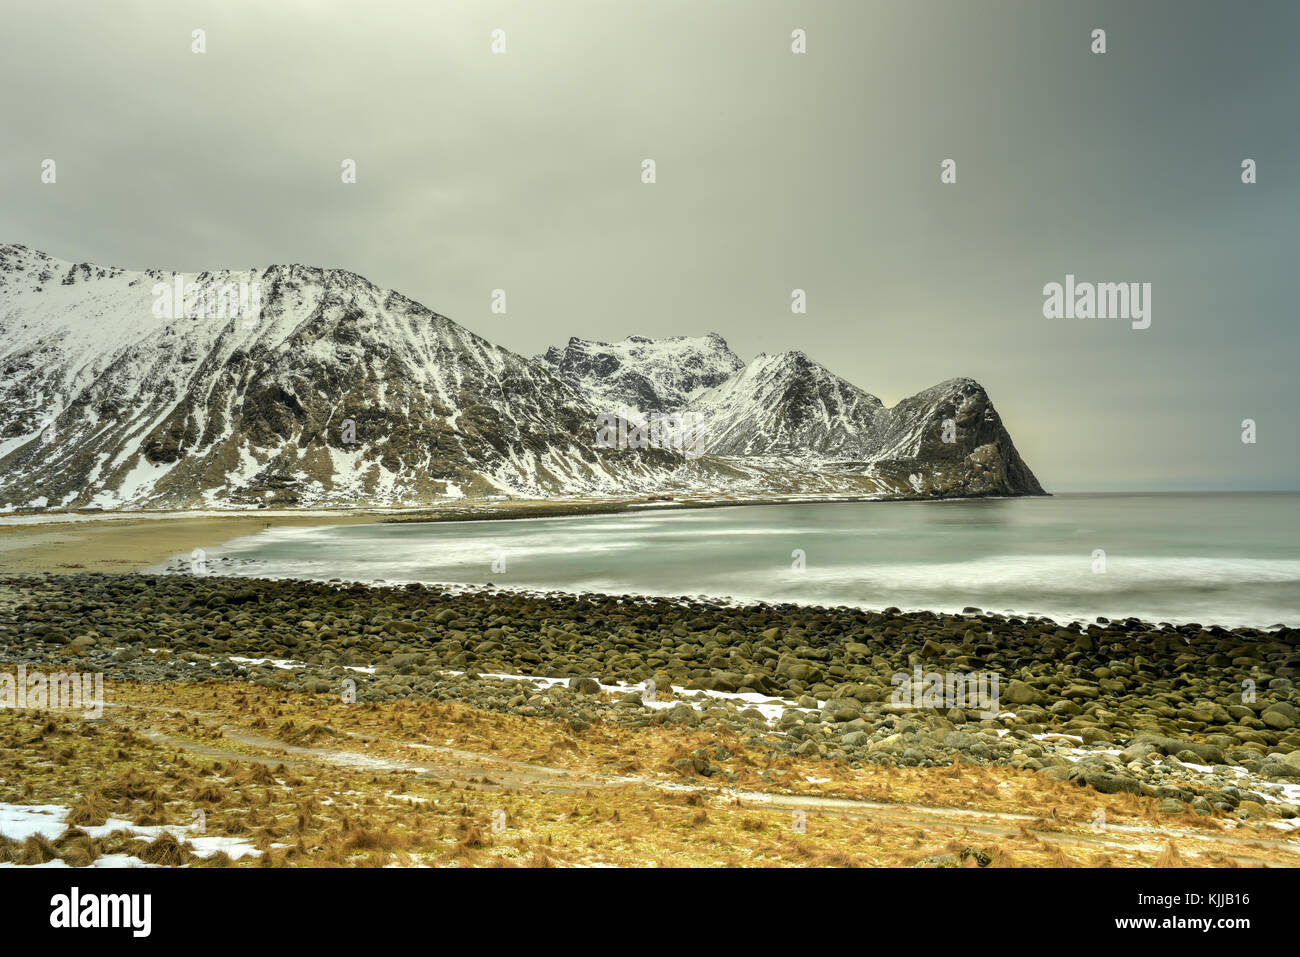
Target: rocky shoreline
(1123, 707)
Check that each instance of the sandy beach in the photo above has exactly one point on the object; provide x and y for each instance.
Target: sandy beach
(123, 544)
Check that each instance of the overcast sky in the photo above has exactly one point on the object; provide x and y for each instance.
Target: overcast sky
(775, 171)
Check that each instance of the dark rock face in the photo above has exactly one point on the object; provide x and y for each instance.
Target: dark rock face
(982, 459)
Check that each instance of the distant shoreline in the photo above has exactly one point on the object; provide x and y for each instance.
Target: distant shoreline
(114, 541)
(476, 508)
(486, 509)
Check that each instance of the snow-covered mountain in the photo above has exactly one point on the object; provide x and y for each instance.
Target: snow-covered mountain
(787, 404)
(105, 402)
(644, 375)
(338, 392)
(797, 424)
(946, 439)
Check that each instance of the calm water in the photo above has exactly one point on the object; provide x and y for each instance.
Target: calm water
(1231, 559)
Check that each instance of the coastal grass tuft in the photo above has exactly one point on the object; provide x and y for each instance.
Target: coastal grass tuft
(91, 809)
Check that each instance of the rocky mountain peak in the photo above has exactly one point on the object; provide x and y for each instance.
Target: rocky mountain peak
(642, 374)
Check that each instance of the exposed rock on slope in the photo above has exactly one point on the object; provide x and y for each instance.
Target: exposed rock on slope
(789, 423)
(106, 403)
(344, 393)
(644, 375)
(787, 404)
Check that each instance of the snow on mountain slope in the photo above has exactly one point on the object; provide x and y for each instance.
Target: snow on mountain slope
(947, 440)
(106, 403)
(787, 404)
(342, 393)
(644, 375)
(790, 420)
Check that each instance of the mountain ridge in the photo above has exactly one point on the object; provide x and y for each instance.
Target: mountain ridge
(109, 401)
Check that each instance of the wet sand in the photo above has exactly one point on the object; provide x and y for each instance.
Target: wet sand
(130, 544)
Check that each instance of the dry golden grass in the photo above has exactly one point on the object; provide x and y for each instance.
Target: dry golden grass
(450, 785)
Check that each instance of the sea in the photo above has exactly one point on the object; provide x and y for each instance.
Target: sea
(1231, 559)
